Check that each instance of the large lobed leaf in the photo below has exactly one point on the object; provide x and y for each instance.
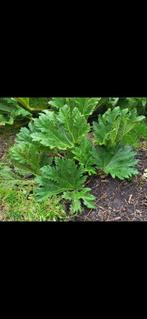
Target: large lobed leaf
(119, 162)
(62, 131)
(77, 196)
(65, 175)
(115, 125)
(67, 178)
(86, 106)
(28, 155)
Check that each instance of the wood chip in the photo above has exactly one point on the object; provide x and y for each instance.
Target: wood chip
(130, 197)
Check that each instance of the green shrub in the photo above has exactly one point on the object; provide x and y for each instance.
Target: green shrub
(60, 148)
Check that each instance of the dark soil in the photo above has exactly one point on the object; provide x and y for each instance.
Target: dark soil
(119, 200)
(7, 137)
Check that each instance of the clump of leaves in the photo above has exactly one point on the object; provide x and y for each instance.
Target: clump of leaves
(115, 125)
(119, 162)
(10, 111)
(61, 149)
(114, 154)
(63, 130)
(64, 178)
(28, 156)
(86, 106)
(139, 103)
(19, 108)
(33, 104)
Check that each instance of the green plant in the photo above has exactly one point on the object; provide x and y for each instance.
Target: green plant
(118, 162)
(56, 133)
(62, 130)
(86, 106)
(139, 103)
(33, 104)
(23, 107)
(84, 155)
(114, 126)
(27, 155)
(60, 147)
(67, 178)
(10, 111)
(20, 108)
(114, 154)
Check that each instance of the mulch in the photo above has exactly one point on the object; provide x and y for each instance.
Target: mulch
(119, 200)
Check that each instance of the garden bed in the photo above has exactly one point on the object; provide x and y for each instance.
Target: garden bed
(115, 200)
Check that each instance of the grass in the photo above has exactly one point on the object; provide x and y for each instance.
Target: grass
(17, 202)
(19, 205)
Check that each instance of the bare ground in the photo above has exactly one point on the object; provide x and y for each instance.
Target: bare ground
(119, 200)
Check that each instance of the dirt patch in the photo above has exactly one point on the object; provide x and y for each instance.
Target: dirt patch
(7, 138)
(119, 200)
